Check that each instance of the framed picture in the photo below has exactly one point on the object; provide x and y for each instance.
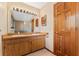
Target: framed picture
(44, 20)
(37, 22)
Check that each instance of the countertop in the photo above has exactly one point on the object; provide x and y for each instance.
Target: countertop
(22, 35)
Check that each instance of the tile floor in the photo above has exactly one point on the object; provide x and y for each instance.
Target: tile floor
(42, 52)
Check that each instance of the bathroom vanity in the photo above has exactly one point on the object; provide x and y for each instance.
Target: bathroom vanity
(22, 44)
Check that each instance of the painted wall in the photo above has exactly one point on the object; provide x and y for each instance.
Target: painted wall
(3, 22)
(48, 10)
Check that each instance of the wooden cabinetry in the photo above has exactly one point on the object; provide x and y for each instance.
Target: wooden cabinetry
(65, 33)
(16, 47)
(9, 50)
(25, 46)
(22, 46)
(37, 43)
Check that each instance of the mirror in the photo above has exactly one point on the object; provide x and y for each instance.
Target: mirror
(22, 21)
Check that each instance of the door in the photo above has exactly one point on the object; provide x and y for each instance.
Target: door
(59, 32)
(69, 42)
(77, 29)
(65, 29)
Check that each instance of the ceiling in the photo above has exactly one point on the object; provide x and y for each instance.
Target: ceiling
(38, 5)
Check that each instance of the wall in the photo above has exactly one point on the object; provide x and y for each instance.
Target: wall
(3, 17)
(20, 6)
(48, 10)
(3, 22)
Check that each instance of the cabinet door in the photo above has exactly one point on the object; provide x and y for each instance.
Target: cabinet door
(34, 44)
(8, 48)
(17, 47)
(25, 46)
(11, 47)
(38, 43)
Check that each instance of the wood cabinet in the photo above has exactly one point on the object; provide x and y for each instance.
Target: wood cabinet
(37, 43)
(9, 50)
(25, 46)
(16, 47)
(22, 46)
(65, 39)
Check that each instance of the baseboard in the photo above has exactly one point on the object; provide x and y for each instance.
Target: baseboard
(49, 50)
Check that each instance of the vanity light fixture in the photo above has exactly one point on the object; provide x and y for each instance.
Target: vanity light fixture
(27, 12)
(13, 8)
(24, 11)
(20, 10)
(17, 9)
